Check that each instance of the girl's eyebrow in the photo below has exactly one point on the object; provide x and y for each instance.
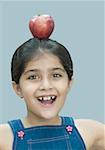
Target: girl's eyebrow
(31, 70)
(61, 69)
(38, 70)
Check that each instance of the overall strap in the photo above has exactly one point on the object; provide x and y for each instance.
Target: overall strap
(76, 140)
(15, 125)
(67, 121)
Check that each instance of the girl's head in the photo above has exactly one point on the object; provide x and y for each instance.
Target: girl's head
(41, 73)
(34, 47)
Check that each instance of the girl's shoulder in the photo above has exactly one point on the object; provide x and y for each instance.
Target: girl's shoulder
(6, 137)
(92, 132)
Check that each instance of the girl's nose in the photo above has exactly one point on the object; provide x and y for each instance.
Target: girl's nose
(45, 84)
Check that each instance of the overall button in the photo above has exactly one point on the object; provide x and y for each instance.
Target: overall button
(21, 134)
(69, 129)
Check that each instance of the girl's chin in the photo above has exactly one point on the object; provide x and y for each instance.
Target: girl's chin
(48, 116)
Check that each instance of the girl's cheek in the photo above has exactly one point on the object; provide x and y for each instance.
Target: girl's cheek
(63, 84)
(28, 89)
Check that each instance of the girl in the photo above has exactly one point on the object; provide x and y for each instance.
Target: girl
(42, 73)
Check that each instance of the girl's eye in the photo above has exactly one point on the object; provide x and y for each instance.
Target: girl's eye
(56, 75)
(33, 77)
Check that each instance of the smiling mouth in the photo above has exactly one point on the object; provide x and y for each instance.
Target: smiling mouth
(47, 99)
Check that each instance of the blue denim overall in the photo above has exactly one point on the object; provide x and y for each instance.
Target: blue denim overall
(50, 137)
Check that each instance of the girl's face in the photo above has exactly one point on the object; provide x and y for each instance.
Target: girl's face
(44, 85)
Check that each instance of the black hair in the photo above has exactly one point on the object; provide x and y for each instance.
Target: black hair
(32, 48)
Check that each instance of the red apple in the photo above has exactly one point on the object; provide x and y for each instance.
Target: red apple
(41, 26)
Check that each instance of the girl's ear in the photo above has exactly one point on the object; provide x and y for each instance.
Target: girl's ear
(70, 83)
(17, 89)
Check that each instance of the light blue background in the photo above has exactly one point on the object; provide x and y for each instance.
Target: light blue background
(79, 25)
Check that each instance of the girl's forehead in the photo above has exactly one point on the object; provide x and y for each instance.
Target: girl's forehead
(44, 61)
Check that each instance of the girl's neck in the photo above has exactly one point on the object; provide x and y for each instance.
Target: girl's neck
(30, 121)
